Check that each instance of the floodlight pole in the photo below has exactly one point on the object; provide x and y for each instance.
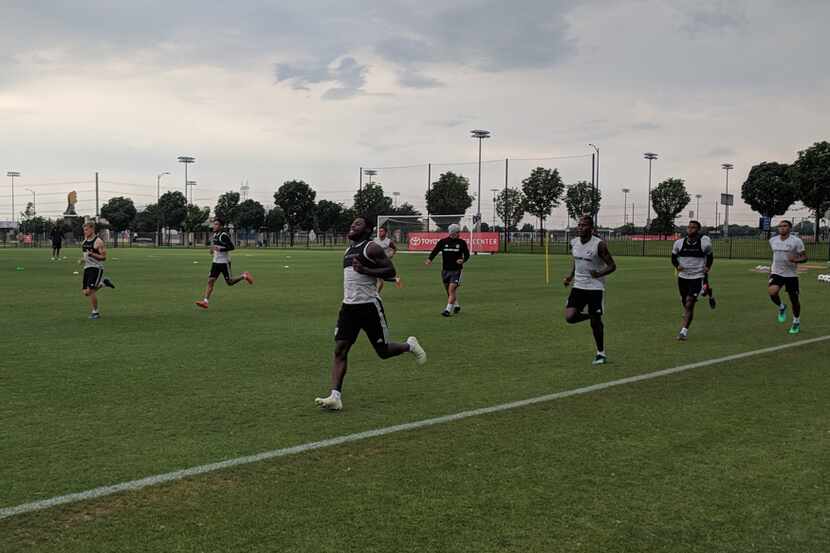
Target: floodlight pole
(34, 200)
(12, 175)
(726, 167)
(595, 182)
(187, 160)
(429, 188)
(191, 184)
(158, 211)
(697, 213)
(480, 135)
(506, 206)
(396, 194)
(494, 190)
(625, 192)
(650, 156)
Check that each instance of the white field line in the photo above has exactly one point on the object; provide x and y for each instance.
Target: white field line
(264, 456)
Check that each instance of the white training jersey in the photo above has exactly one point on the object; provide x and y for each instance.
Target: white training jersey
(781, 252)
(691, 255)
(587, 259)
(386, 244)
(358, 288)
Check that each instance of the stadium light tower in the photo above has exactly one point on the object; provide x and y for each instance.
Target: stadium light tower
(480, 135)
(12, 175)
(726, 167)
(697, 211)
(34, 200)
(595, 176)
(187, 160)
(650, 156)
(190, 184)
(625, 191)
(370, 173)
(158, 198)
(495, 191)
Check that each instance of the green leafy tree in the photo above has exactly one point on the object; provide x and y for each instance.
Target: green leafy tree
(296, 199)
(769, 189)
(449, 195)
(347, 216)
(406, 209)
(510, 207)
(582, 199)
(327, 214)
(173, 209)
(227, 207)
(811, 172)
(120, 212)
(147, 220)
(527, 227)
(275, 219)
(543, 191)
(370, 202)
(668, 199)
(196, 218)
(250, 215)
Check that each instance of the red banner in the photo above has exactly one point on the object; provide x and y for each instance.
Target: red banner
(481, 241)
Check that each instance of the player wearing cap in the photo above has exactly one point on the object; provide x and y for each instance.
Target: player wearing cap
(454, 253)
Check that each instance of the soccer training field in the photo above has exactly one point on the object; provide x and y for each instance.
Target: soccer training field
(728, 456)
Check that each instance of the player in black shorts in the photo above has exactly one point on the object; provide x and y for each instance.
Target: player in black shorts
(220, 247)
(362, 310)
(57, 241)
(454, 253)
(95, 253)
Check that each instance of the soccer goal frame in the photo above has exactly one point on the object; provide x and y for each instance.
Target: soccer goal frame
(398, 227)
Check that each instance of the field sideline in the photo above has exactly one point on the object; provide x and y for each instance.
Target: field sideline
(157, 385)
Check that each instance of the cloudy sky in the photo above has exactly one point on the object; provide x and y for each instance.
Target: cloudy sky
(269, 91)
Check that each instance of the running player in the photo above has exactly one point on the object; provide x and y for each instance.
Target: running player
(787, 252)
(390, 248)
(363, 263)
(220, 246)
(454, 253)
(592, 262)
(57, 241)
(692, 257)
(95, 253)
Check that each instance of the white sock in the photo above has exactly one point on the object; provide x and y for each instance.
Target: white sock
(782, 307)
(601, 353)
(456, 304)
(205, 300)
(95, 311)
(796, 320)
(449, 307)
(684, 330)
(335, 394)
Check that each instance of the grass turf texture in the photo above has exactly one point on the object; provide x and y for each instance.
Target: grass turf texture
(158, 385)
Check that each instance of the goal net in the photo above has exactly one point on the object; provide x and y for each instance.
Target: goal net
(416, 233)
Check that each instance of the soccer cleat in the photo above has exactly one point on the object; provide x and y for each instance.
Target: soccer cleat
(248, 278)
(329, 403)
(600, 360)
(457, 309)
(712, 302)
(682, 337)
(782, 314)
(108, 283)
(417, 350)
(795, 329)
(94, 316)
(445, 313)
(202, 303)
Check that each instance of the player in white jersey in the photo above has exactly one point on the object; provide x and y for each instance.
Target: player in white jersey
(220, 247)
(390, 249)
(363, 263)
(787, 252)
(692, 257)
(592, 262)
(95, 253)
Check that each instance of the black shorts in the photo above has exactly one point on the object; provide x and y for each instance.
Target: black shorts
(790, 283)
(368, 317)
(56, 245)
(689, 288)
(92, 278)
(593, 299)
(223, 269)
(451, 277)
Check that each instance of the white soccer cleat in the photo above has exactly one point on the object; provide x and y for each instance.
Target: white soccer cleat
(330, 403)
(416, 350)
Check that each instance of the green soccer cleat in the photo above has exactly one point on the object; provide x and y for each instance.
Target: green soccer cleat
(795, 329)
(600, 360)
(782, 315)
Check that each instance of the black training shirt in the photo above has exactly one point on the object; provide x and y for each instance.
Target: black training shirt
(452, 249)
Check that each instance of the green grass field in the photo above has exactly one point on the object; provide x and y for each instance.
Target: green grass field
(730, 457)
